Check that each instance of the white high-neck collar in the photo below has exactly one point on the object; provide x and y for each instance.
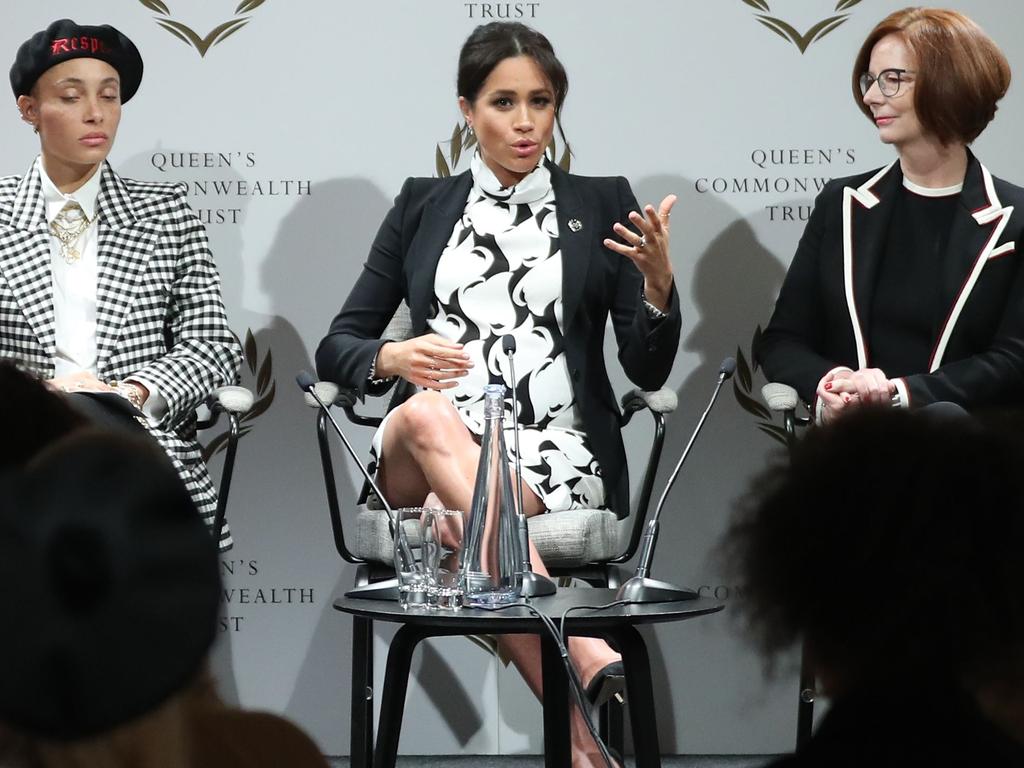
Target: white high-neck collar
(531, 188)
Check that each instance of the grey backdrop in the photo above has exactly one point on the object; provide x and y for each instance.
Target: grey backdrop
(337, 101)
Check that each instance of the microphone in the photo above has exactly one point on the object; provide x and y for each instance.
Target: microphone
(532, 584)
(508, 346)
(640, 588)
(380, 590)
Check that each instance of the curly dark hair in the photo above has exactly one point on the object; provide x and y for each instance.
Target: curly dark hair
(892, 544)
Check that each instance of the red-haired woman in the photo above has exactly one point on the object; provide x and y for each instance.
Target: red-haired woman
(906, 288)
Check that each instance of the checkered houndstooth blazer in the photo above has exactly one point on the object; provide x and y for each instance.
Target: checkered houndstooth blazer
(160, 315)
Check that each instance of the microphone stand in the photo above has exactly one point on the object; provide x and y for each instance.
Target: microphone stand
(378, 590)
(533, 584)
(641, 588)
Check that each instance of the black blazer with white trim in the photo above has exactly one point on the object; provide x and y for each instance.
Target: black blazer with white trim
(596, 283)
(159, 310)
(822, 315)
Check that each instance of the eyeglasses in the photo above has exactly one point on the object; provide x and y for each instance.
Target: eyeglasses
(888, 80)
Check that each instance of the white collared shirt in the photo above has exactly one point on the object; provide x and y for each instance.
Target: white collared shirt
(75, 286)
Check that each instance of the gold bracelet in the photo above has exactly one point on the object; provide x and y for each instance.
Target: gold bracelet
(129, 392)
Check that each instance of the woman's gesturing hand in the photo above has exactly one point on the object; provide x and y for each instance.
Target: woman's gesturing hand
(649, 250)
(429, 361)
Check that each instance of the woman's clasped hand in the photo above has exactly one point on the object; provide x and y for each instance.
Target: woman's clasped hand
(841, 390)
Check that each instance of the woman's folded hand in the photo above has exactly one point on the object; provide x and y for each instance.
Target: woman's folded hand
(429, 361)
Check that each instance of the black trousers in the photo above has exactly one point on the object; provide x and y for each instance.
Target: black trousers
(108, 411)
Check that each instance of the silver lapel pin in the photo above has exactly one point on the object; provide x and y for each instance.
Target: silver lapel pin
(575, 225)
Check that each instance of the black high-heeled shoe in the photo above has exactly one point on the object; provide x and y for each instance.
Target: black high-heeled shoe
(609, 682)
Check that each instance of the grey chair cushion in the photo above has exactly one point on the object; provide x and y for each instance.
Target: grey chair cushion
(400, 327)
(576, 536)
(566, 539)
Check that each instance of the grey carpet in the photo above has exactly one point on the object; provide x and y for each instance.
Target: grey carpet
(536, 761)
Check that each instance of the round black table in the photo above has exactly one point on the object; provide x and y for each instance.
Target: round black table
(617, 624)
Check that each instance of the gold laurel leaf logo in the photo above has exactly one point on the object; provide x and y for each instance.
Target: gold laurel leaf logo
(260, 379)
(788, 32)
(743, 388)
(462, 139)
(217, 35)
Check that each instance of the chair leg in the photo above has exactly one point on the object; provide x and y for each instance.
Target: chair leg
(361, 744)
(613, 722)
(805, 706)
(392, 702)
(640, 694)
(557, 744)
(611, 725)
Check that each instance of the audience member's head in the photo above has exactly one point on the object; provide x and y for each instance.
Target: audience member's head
(892, 546)
(33, 417)
(110, 585)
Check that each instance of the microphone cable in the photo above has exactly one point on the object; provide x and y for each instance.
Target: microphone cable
(575, 684)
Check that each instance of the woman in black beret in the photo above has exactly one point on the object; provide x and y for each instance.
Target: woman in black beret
(107, 285)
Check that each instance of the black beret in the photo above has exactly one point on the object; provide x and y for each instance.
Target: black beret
(109, 584)
(63, 40)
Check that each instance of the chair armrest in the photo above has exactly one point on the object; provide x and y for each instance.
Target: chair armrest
(238, 400)
(234, 401)
(780, 397)
(783, 399)
(327, 391)
(662, 401)
(344, 398)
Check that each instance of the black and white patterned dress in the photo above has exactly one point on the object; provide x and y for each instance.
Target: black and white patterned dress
(501, 273)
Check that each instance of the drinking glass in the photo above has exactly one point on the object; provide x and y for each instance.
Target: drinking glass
(413, 552)
(443, 540)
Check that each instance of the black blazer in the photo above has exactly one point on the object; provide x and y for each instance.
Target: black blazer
(596, 282)
(822, 319)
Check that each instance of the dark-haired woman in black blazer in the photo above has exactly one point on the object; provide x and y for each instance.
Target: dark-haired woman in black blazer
(514, 246)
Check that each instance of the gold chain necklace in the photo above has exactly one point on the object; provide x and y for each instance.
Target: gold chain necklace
(68, 226)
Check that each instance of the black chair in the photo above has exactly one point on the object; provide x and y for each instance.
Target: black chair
(590, 545)
(234, 402)
(783, 399)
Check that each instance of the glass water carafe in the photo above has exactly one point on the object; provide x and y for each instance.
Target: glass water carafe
(491, 557)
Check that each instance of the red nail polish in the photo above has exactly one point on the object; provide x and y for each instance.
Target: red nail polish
(828, 386)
